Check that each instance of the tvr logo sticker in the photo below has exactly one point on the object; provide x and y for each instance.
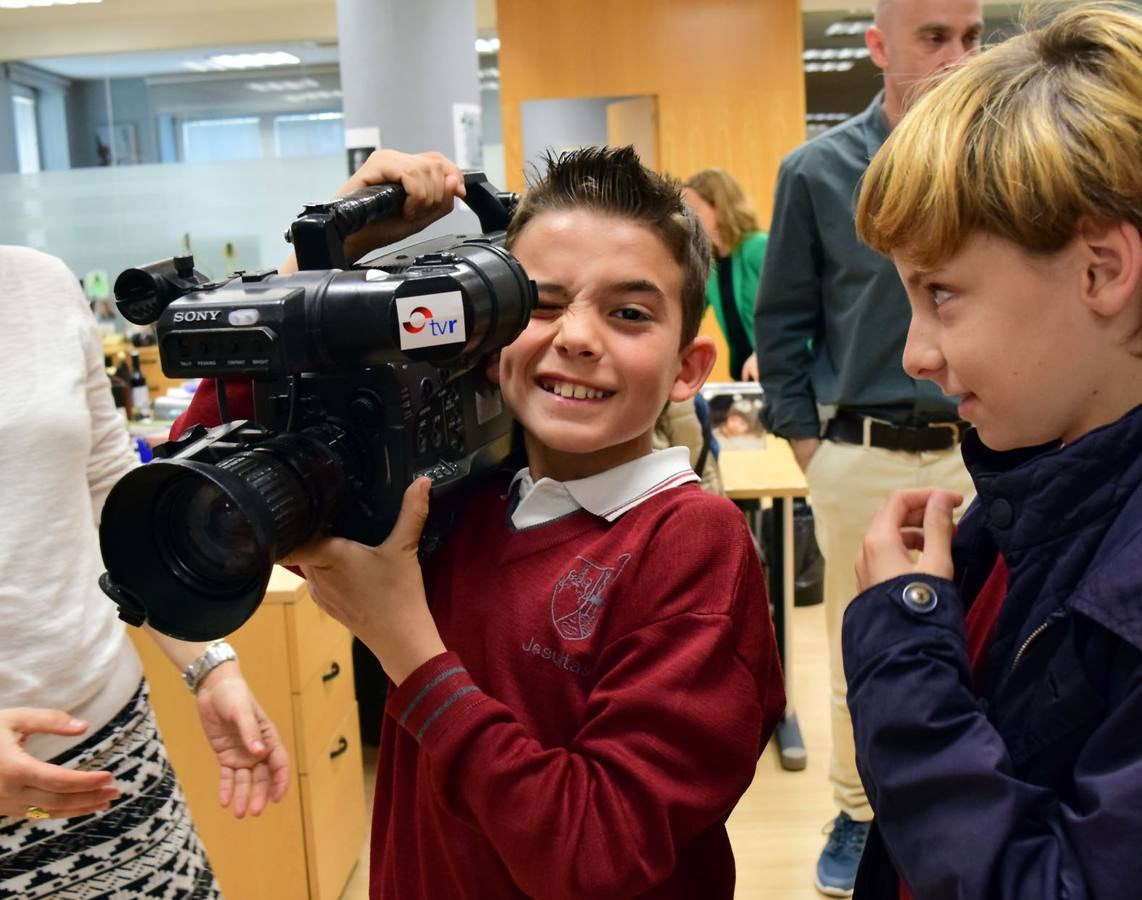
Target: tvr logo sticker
(428, 320)
(417, 319)
(578, 598)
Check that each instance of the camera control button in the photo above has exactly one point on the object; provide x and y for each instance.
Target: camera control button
(365, 411)
(256, 275)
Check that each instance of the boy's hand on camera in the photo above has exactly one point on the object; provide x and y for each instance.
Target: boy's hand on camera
(431, 182)
(378, 592)
(910, 534)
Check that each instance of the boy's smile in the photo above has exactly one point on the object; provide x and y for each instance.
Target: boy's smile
(570, 390)
(600, 357)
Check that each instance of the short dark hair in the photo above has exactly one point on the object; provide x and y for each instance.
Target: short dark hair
(613, 181)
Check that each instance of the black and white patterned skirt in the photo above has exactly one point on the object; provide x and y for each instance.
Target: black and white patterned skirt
(143, 846)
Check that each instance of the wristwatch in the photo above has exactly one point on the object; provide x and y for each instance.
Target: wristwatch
(212, 657)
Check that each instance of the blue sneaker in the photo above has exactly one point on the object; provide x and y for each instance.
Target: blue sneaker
(837, 865)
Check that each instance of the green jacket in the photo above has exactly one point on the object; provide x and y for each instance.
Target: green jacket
(745, 264)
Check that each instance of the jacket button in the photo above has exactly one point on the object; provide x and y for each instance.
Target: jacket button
(1001, 513)
(920, 597)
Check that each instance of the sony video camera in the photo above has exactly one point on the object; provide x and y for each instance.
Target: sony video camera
(364, 379)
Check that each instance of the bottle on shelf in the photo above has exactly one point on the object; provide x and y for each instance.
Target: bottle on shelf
(140, 394)
(120, 385)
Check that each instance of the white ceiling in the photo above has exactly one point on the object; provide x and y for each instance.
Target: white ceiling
(175, 62)
(132, 26)
(121, 38)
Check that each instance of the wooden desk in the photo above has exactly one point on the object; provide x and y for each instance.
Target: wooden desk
(750, 477)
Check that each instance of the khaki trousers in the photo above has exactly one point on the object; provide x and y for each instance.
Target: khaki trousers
(847, 484)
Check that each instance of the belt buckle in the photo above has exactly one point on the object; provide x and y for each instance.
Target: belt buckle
(953, 426)
(866, 423)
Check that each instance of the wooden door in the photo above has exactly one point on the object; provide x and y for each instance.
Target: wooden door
(635, 122)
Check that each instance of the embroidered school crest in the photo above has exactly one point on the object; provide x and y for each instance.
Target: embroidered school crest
(578, 597)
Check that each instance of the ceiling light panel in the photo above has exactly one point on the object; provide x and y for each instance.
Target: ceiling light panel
(253, 60)
(832, 66)
(25, 4)
(825, 53)
(848, 27)
(293, 84)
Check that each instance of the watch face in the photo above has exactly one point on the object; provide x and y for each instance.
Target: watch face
(212, 657)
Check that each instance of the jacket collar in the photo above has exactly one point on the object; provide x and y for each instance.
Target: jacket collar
(1044, 504)
(1037, 495)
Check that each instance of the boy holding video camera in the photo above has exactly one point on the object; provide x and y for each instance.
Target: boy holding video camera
(585, 673)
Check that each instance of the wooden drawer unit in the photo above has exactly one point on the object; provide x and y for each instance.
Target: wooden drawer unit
(320, 705)
(299, 662)
(334, 805)
(312, 634)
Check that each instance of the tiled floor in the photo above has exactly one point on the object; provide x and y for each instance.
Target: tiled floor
(776, 828)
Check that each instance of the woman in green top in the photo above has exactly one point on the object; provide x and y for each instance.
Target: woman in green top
(739, 247)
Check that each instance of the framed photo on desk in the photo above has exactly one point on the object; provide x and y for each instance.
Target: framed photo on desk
(735, 414)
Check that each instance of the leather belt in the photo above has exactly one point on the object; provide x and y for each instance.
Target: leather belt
(850, 428)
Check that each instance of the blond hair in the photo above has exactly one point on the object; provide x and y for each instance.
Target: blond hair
(1023, 142)
(732, 209)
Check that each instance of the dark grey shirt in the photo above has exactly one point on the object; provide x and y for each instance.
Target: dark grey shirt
(832, 314)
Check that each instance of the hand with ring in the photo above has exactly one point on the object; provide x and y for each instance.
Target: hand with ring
(33, 789)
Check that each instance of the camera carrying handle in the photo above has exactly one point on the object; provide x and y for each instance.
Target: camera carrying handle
(318, 234)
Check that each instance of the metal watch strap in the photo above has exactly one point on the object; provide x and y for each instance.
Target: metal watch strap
(212, 657)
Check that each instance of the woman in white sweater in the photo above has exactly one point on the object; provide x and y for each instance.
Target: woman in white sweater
(88, 802)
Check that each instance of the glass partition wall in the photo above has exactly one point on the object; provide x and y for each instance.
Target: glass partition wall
(119, 160)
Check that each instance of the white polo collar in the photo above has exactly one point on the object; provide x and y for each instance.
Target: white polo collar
(607, 495)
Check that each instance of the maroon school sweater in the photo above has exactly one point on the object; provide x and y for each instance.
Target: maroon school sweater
(608, 690)
(606, 694)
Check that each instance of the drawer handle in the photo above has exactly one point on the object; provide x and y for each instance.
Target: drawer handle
(342, 746)
(334, 671)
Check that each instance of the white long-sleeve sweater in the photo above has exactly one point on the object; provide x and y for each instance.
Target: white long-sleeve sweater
(62, 447)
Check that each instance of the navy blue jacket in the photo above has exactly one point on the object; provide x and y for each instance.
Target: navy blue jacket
(1035, 789)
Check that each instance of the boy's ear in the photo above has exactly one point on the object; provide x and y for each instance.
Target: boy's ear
(695, 362)
(1112, 279)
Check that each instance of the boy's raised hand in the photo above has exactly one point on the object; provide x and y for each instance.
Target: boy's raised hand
(378, 592)
(910, 534)
(431, 181)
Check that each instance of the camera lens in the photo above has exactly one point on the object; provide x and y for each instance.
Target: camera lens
(210, 536)
(190, 545)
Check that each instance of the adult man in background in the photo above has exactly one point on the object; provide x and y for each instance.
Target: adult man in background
(831, 322)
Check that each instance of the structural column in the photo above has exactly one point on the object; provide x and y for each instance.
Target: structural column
(404, 65)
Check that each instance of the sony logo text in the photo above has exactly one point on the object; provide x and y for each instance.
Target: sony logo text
(197, 315)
